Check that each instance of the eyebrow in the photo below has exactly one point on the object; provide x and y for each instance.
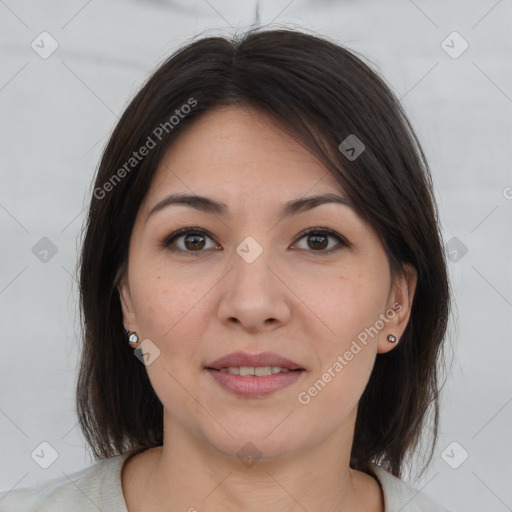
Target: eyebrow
(207, 205)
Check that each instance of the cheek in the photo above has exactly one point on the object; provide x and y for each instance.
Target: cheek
(347, 302)
(170, 316)
(350, 305)
(346, 356)
(165, 308)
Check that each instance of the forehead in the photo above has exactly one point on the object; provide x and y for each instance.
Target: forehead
(240, 148)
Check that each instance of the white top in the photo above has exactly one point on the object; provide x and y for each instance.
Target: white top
(98, 487)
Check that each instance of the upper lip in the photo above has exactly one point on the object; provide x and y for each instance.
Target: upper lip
(245, 359)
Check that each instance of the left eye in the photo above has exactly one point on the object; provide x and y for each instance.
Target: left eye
(318, 240)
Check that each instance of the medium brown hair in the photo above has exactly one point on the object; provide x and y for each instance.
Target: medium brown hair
(320, 92)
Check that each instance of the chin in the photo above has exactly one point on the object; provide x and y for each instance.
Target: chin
(255, 441)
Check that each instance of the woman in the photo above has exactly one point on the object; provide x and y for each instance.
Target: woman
(263, 237)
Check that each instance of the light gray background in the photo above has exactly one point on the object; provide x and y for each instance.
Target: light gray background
(56, 114)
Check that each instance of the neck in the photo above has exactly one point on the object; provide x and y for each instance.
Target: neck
(190, 475)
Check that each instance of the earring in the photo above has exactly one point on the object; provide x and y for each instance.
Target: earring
(392, 339)
(132, 337)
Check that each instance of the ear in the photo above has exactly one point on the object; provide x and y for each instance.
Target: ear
(129, 319)
(398, 310)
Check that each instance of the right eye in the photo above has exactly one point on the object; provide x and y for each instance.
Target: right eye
(188, 240)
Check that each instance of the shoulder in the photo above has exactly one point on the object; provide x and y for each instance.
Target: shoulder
(400, 495)
(97, 487)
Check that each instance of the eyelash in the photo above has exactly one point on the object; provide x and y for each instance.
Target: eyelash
(169, 240)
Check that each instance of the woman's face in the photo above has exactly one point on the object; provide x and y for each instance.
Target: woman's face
(248, 279)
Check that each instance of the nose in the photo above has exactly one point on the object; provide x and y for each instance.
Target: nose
(253, 294)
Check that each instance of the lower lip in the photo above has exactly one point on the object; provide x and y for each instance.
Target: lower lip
(253, 386)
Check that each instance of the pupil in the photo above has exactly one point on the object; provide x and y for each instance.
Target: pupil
(194, 239)
(317, 240)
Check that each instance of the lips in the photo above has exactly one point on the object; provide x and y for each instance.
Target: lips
(254, 375)
(253, 360)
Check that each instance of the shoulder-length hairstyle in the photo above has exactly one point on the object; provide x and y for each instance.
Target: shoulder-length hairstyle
(321, 93)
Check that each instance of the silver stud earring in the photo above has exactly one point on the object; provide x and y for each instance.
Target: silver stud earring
(392, 338)
(132, 337)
